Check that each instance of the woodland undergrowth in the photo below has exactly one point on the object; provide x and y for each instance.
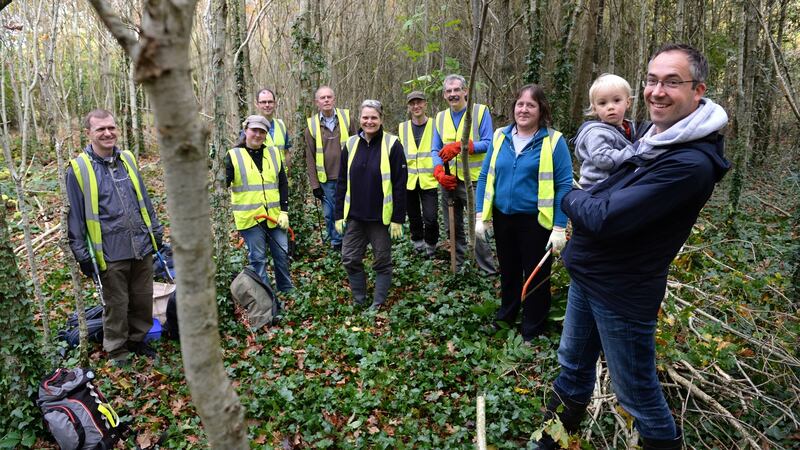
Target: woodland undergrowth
(334, 376)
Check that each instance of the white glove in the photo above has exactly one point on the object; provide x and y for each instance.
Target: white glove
(558, 239)
(480, 227)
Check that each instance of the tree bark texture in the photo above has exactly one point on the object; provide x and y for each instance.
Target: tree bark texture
(162, 65)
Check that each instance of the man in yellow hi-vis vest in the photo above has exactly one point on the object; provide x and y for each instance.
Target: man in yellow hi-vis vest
(278, 134)
(109, 210)
(325, 135)
(416, 136)
(448, 128)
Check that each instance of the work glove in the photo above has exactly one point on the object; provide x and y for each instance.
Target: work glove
(452, 150)
(339, 225)
(396, 230)
(283, 220)
(447, 181)
(480, 227)
(87, 267)
(558, 239)
(319, 193)
(159, 241)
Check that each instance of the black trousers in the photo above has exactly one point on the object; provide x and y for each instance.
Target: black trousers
(521, 244)
(424, 223)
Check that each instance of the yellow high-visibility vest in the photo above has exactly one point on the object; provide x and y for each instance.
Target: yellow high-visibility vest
(545, 196)
(448, 132)
(254, 192)
(278, 139)
(419, 160)
(386, 174)
(87, 180)
(316, 133)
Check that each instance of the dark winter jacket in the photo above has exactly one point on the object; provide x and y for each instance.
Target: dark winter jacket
(366, 193)
(123, 231)
(629, 228)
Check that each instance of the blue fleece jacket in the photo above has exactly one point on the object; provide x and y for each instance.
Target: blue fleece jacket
(516, 180)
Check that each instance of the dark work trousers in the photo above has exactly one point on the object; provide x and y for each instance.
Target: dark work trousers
(521, 244)
(128, 314)
(483, 252)
(357, 235)
(424, 223)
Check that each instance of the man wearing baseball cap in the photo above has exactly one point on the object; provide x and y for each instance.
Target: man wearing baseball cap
(251, 164)
(421, 198)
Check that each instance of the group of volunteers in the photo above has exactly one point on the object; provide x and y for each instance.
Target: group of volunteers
(639, 193)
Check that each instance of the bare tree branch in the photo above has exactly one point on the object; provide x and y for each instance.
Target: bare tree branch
(112, 21)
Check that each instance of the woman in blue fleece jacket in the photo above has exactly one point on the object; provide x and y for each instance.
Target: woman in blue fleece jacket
(520, 189)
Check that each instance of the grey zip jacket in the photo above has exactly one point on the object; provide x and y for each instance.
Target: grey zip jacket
(124, 233)
(600, 149)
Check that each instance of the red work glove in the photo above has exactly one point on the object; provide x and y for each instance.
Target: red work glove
(447, 181)
(452, 150)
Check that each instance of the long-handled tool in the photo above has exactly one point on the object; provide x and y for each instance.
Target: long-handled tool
(290, 252)
(533, 274)
(451, 200)
(96, 274)
(319, 220)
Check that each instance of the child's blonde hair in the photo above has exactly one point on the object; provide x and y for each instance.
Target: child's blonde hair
(606, 80)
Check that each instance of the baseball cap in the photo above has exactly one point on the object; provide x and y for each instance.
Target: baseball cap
(415, 95)
(256, 121)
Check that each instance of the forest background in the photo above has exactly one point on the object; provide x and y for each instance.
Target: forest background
(177, 73)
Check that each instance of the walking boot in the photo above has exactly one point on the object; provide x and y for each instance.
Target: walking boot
(571, 417)
(675, 443)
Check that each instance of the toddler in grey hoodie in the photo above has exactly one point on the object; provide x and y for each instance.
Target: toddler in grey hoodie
(602, 145)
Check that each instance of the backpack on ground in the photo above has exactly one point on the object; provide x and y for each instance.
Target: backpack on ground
(94, 324)
(76, 413)
(256, 298)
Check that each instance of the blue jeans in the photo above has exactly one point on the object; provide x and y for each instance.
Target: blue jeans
(630, 350)
(257, 238)
(329, 187)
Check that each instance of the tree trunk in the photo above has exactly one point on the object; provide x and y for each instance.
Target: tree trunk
(640, 67)
(244, 77)
(220, 143)
(162, 65)
(585, 69)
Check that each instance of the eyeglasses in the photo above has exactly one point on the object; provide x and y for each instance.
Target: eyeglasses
(667, 84)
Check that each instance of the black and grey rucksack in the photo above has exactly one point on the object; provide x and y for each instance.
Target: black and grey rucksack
(256, 298)
(76, 413)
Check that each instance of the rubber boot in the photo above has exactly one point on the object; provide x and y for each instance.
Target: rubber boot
(382, 283)
(358, 286)
(571, 417)
(675, 443)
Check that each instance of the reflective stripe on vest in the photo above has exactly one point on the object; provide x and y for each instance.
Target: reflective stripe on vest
(419, 160)
(316, 134)
(251, 190)
(448, 132)
(278, 138)
(546, 194)
(84, 173)
(386, 174)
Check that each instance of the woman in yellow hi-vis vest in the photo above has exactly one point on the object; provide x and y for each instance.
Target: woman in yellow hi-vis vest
(257, 178)
(525, 175)
(370, 202)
